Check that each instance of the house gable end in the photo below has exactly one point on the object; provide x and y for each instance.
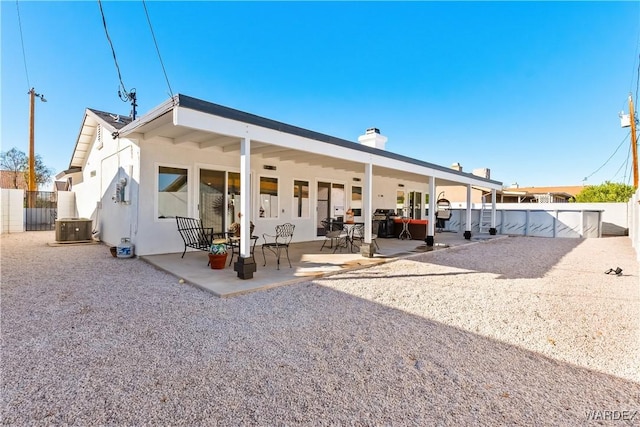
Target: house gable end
(87, 134)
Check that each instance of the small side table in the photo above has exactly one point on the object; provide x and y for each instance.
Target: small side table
(234, 245)
(405, 234)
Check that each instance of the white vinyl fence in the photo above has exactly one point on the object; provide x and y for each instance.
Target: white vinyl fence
(634, 222)
(11, 210)
(577, 220)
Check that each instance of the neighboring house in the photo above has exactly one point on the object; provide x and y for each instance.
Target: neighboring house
(13, 180)
(60, 186)
(458, 194)
(512, 194)
(189, 157)
(516, 194)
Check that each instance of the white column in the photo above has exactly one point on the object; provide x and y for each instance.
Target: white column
(431, 227)
(493, 209)
(245, 197)
(467, 233)
(367, 198)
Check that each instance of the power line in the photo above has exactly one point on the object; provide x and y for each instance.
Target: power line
(610, 157)
(637, 80)
(113, 51)
(157, 48)
(24, 55)
(124, 94)
(624, 164)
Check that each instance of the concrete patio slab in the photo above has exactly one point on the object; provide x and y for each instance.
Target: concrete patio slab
(307, 261)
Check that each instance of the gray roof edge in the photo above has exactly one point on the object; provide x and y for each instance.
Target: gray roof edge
(233, 114)
(207, 107)
(102, 116)
(158, 111)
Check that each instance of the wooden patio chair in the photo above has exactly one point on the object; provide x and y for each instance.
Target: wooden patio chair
(278, 242)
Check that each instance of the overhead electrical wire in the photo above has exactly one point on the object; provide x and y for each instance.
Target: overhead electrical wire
(24, 55)
(124, 95)
(113, 51)
(637, 81)
(157, 48)
(610, 157)
(624, 164)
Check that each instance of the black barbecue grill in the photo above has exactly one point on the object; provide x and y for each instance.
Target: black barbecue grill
(384, 218)
(443, 213)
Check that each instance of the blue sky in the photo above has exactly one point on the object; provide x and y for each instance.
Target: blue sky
(530, 90)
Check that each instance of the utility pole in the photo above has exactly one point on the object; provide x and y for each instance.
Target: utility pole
(634, 142)
(32, 154)
(31, 200)
(32, 162)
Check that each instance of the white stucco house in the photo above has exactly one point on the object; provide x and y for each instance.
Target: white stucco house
(189, 157)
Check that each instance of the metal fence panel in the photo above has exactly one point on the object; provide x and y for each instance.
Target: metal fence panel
(41, 208)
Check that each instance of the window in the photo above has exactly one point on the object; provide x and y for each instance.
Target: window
(172, 192)
(268, 197)
(400, 200)
(356, 202)
(301, 199)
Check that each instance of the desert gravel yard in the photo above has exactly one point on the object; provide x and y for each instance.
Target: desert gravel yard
(514, 331)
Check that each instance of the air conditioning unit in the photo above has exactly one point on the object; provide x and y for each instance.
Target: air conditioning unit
(73, 229)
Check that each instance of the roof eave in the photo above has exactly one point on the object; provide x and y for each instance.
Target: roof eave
(160, 110)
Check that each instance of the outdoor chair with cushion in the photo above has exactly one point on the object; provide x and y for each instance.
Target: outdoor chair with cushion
(278, 242)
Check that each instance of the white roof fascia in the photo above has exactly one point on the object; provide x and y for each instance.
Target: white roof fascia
(150, 116)
(88, 131)
(194, 119)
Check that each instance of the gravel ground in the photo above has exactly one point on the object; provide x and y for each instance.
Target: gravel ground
(516, 331)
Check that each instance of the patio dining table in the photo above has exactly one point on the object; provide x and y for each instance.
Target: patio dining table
(348, 227)
(233, 242)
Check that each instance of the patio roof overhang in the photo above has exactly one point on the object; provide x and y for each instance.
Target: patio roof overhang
(183, 120)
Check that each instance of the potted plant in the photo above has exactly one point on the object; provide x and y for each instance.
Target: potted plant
(234, 228)
(349, 219)
(218, 254)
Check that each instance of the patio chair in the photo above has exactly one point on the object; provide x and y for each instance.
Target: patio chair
(278, 242)
(358, 236)
(335, 234)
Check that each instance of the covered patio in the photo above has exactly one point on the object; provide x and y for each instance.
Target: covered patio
(307, 261)
(196, 159)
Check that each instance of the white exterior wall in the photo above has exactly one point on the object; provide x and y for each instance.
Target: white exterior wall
(95, 188)
(11, 210)
(157, 235)
(67, 205)
(633, 210)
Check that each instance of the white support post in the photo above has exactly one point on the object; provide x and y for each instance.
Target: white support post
(493, 230)
(245, 266)
(367, 201)
(467, 233)
(431, 218)
(245, 196)
(368, 248)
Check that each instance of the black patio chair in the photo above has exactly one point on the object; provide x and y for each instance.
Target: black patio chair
(276, 243)
(357, 237)
(335, 234)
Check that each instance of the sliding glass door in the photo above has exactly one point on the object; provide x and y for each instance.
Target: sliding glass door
(211, 203)
(219, 198)
(330, 201)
